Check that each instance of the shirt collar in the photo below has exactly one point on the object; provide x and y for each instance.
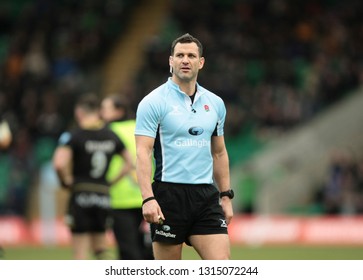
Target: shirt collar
(177, 88)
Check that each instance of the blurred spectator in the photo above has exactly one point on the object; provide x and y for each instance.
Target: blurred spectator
(341, 189)
(48, 50)
(36, 66)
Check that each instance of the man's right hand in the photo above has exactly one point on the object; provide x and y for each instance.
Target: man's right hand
(152, 212)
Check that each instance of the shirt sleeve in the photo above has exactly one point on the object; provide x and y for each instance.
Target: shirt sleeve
(65, 139)
(147, 117)
(222, 112)
(120, 145)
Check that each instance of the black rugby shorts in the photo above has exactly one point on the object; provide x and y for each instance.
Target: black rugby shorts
(188, 210)
(88, 212)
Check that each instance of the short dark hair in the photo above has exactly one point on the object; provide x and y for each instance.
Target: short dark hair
(89, 102)
(118, 101)
(187, 38)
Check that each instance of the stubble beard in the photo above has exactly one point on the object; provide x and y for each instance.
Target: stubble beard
(185, 77)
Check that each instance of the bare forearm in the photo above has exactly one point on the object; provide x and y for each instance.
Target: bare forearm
(221, 170)
(62, 165)
(221, 175)
(144, 151)
(65, 177)
(144, 173)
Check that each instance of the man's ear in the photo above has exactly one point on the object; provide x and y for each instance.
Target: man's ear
(171, 64)
(201, 62)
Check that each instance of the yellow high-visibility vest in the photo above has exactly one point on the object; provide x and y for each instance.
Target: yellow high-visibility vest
(126, 192)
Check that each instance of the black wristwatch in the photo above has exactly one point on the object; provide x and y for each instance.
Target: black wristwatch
(229, 193)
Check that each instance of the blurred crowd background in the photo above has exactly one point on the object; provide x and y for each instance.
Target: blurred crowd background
(276, 63)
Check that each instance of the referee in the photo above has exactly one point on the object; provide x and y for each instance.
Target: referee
(181, 124)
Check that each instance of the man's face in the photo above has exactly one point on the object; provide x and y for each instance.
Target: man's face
(108, 111)
(186, 62)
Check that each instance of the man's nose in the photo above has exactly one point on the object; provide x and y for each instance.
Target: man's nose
(185, 59)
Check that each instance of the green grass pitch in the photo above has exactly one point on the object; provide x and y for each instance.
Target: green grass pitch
(286, 252)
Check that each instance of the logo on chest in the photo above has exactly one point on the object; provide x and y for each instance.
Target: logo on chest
(195, 130)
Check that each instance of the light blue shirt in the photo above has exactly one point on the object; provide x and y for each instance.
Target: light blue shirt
(182, 132)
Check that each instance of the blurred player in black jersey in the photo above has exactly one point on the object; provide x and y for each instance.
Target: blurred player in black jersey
(81, 161)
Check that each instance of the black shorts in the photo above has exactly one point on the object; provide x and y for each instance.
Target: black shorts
(88, 212)
(188, 210)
